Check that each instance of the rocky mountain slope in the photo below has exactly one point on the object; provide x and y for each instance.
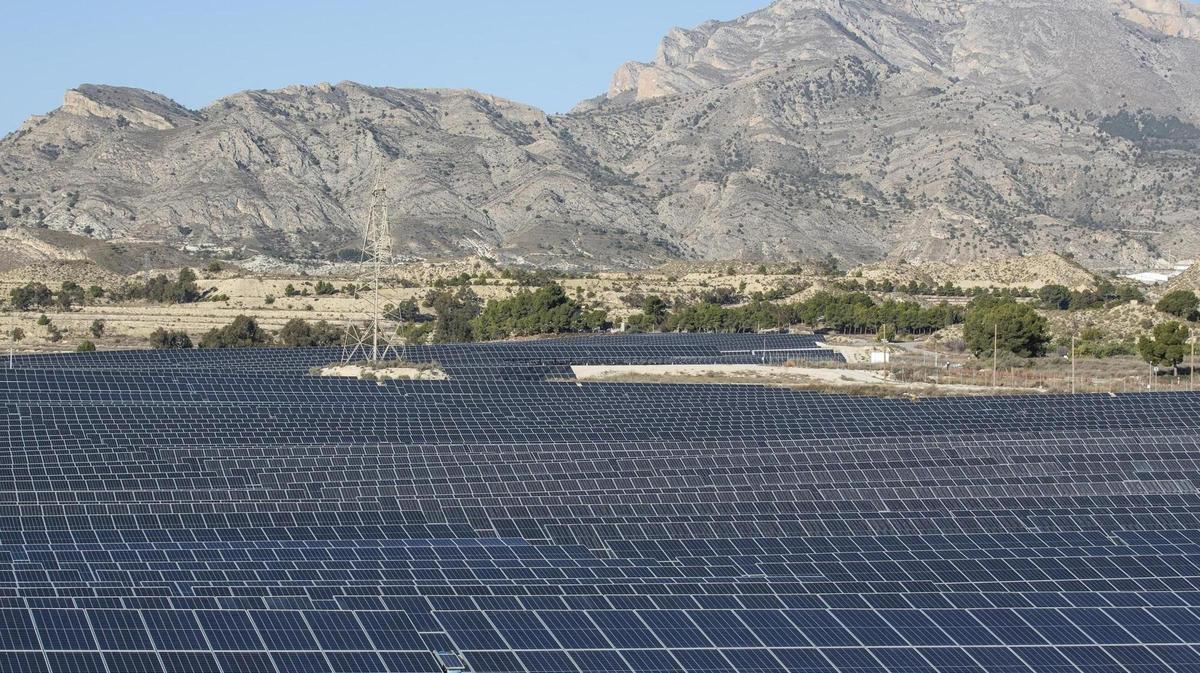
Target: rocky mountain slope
(912, 129)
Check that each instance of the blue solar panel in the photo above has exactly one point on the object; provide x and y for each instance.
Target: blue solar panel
(217, 512)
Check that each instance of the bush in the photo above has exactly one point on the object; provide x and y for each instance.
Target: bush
(1180, 303)
(324, 288)
(1166, 346)
(1016, 327)
(243, 332)
(17, 334)
(214, 267)
(97, 328)
(43, 320)
(299, 333)
(161, 339)
(86, 347)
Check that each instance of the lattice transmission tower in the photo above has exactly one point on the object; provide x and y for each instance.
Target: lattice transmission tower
(373, 340)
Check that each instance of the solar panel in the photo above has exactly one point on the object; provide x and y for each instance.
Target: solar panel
(219, 511)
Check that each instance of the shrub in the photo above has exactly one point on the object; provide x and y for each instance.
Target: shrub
(97, 328)
(162, 339)
(243, 332)
(324, 288)
(85, 347)
(214, 267)
(43, 320)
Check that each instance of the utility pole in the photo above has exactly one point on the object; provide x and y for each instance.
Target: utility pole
(995, 350)
(1072, 364)
(1192, 366)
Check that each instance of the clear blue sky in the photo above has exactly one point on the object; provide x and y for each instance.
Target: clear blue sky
(549, 53)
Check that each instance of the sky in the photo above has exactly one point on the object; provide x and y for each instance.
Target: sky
(549, 53)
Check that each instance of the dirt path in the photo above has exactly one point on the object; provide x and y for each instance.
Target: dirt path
(770, 375)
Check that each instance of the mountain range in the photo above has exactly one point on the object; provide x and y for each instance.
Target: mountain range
(860, 129)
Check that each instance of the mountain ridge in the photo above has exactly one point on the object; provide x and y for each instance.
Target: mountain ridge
(861, 129)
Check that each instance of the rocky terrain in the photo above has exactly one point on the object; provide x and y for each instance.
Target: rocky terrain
(952, 130)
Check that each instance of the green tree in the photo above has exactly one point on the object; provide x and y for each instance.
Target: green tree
(408, 311)
(30, 295)
(299, 333)
(182, 290)
(70, 294)
(324, 288)
(162, 339)
(1055, 297)
(1015, 327)
(1166, 346)
(86, 347)
(547, 310)
(655, 309)
(456, 313)
(243, 332)
(1180, 303)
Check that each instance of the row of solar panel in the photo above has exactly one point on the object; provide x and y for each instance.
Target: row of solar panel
(688, 528)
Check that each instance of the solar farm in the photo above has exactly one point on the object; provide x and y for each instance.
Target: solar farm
(225, 511)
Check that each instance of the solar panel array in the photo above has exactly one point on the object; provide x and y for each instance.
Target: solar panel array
(518, 360)
(193, 513)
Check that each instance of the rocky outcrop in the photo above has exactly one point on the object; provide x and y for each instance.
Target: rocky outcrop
(126, 106)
